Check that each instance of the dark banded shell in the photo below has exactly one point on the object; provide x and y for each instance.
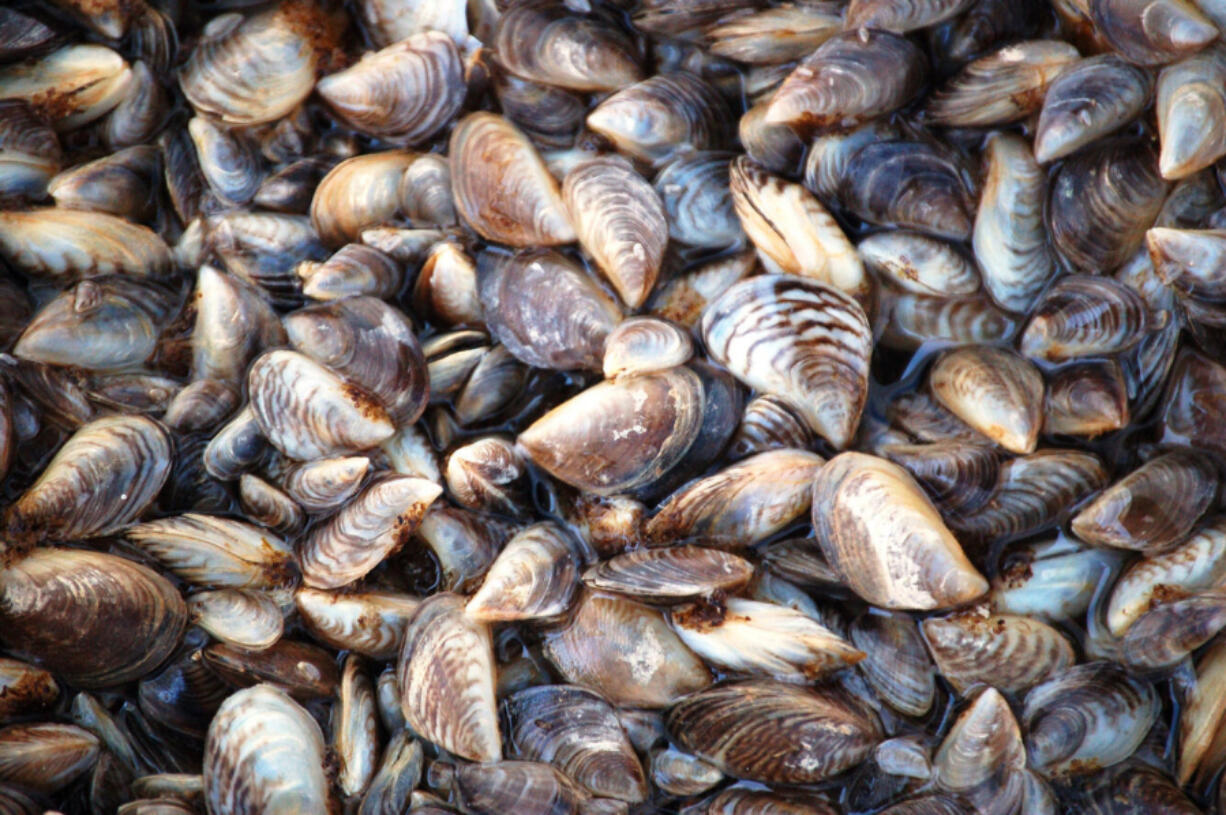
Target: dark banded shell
(995, 391)
(548, 44)
(911, 184)
(773, 732)
(675, 573)
(1086, 315)
(1091, 98)
(798, 340)
(1007, 651)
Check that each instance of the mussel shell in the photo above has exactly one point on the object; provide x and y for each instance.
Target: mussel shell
(533, 577)
(546, 309)
(579, 733)
(248, 619)
(71, 86)
(1001, 87)
(359, 193)
(550, 116)
(1085, 315)
(402, 94)
(792, 231)
(234, 322)
(1154, 507)
(663, 116)
(446, 676)
(1007, 651)
(626, 652)
(896, 663)
(501, 186)
(909, 184)
(68, 244)
(24, 688)
(675, 573)
(775, 35)
(1189, 99)
(1169, 632)
(21, 35)
(516, 786)
(264, 753)
(620, 222)
(854, 76)
(861, 505)
(1087, 717)
(1101, 202)
(1188, 262)
(774, 732)
(549, 44)
(1152, 32)
(94, 619)
(101, 480)
(1086, 399)
(45, 757)
(799, 340)
(995, 391)
(959, 476)
(303, 670)
(307, 412)
(767, 423)
(1091, 98)
(368, 623)
(1192, 414)
(697, 200)
(220, 552)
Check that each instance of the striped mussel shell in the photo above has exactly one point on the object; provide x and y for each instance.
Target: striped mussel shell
(915, 319)
(741, 505)
(216, 552)
(30, 154)
(798, 340)
(404, 93)
(393, 785)
(546, 309)
(359, 193)
(896, 663)
(852, 77)
(621, 435)
(1034, 492)
(306, 411)
(959, 476)
(1163, 636)
(883, 535)
(237, 447)
(240, 617)
(1188, 261)
(107, 473)
(355, 729)
(463, 542)
(446, 287)
(1007, 651)
(22, 35)
(326, 484)
(1153, 508)
(694, 189)
(71, 86)
(775, 732)
(389, 21)
(1197, 564)
(1091, 98)
(679, 773)
(446, 677)
(1152, 32)
(302, 669)
(767, 423)
(1086, 399)
(675, 573)
(1189, 99)
(659, 118)
(626, 652)
(1086, 315)
(551, 45)
(516, 786)
(620, 222)
(365, 530)
(902, 16)
(501, 186)
(254, 70)
(1010, 236)
(737, 800)
(289, 189)
(753, 638)
(1001, 87)
(372, 345)
(141, 111)
(828, 156)
(641, 345)
(44, 757)
(910, 184)
(263, 248)
(228, 162)
(775, 35)
(774, 146)
(63, 245)
(793, 232)
(1052, 579)
(983, 744)
(1100, 203)
(370, 623)
(577, 732)
(91, 618)
(425, 192)
(264, 753)
(234, 322)
(993, 390)
(1200, 718)
(487, 474)
(108, 323)
(122, 183)
(1085, 718)
(534, 577)
(917, 263)
(1191, 413)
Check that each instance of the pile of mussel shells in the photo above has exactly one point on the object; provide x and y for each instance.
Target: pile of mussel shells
(559, 407)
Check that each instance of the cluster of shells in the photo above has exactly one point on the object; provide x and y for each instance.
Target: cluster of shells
(685, 406)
